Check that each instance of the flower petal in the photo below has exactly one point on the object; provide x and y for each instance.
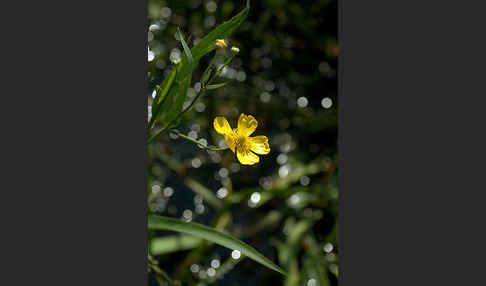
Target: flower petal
(221, 125)
(230, 140)
(247, 158)
(246, 125)
(259, 145)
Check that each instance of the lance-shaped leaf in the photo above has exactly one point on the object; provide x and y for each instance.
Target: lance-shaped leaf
(187, 51)
(224, 30)
(171, 107)
(162, 91)
(216, 85)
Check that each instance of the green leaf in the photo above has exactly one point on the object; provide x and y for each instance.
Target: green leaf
(187, 51)
(224, 30)
(175, 99)
(216, 85)
(162, 91)
(173, 105)
(201, 231)
(206, 74)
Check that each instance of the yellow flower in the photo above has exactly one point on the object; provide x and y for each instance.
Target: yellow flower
(239, 140)
(220, 44)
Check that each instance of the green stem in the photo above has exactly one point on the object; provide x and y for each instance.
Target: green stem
(197, 142)
(218, 72)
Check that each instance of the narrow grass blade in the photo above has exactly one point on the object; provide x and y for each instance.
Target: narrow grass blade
(204, 192)
(202, 231)
(173, 243)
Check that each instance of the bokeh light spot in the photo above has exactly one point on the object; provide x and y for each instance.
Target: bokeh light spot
(326, 102)
(235, 254)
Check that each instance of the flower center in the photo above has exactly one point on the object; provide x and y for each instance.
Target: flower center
(242, 143)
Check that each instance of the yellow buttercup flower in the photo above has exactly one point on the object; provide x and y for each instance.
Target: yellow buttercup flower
(239, 140)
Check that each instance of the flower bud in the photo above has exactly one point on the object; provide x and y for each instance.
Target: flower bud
(235, 50)
(220, 44)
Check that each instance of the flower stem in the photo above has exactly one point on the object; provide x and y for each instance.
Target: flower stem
(197, 142)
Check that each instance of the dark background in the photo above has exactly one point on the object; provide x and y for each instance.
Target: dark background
(286, 66)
